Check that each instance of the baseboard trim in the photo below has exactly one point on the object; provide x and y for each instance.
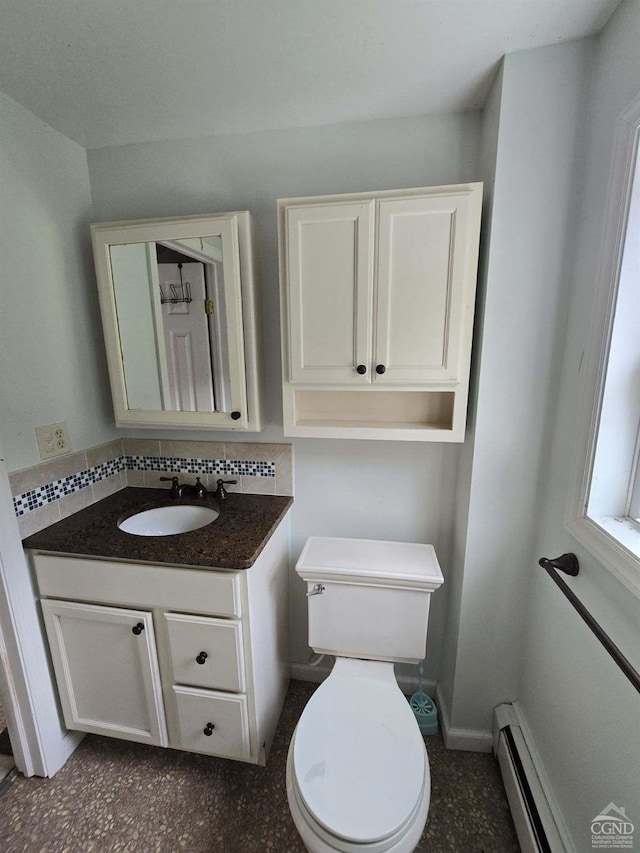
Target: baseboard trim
(317, 674)
(470, 740)
(306, 672)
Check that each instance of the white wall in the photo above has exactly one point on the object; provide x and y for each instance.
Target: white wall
(374, 490)
(366, 489)
(542, 105)
(583, 715)
(53, 370)
(50, 340)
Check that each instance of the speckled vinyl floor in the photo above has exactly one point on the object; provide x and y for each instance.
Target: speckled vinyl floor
(6, 756)
(118, 796)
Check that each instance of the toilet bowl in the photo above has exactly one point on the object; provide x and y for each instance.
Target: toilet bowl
(357, 771)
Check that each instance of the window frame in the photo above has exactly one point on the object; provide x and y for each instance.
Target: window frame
(596, 513)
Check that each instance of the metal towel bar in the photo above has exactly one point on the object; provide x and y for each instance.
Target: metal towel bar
(568, 563)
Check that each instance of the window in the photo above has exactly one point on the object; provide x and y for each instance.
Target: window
(604, 503)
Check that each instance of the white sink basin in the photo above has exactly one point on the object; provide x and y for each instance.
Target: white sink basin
(168, 520)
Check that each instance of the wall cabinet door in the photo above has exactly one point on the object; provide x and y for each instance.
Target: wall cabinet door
(107, 670)
(329, 261)
(420, 288)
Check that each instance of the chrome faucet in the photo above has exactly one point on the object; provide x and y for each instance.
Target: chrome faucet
(185, 490)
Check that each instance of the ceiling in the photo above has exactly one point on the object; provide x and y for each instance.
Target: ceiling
(112, 72)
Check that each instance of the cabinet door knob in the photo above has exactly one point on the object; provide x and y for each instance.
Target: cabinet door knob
(362, 369)
(139, 628)
(201, 657)
(235, 416)
(208, 729)
(380, 368)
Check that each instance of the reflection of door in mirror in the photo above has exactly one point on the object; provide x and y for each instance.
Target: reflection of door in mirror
(170, 299)
(186, 338)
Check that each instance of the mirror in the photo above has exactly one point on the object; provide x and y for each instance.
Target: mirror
(171, 310)
(178, 309)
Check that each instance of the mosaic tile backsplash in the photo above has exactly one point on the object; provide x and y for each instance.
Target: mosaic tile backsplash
(64, 486)
(50, 492)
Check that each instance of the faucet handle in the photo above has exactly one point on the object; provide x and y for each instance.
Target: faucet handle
(174, 491)
(221, 492)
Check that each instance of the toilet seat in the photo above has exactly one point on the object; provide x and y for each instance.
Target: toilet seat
(317, 839)
(358, 771)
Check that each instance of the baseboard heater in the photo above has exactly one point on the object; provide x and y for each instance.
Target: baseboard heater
(533, 819)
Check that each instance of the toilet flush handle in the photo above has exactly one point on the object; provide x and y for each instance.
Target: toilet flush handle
(317, 590)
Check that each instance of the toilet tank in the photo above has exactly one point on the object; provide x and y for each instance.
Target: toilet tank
(369, 599)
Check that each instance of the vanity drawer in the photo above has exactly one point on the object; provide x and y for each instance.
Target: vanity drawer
(223, 716)
(206, 652)
(80, 579)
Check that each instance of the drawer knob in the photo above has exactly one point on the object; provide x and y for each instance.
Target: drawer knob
(138, 629)
(201, 657)
(208, 729)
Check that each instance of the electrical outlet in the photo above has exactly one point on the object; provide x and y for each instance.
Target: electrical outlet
(53, 440)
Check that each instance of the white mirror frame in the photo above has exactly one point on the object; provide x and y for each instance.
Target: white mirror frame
(241, 284)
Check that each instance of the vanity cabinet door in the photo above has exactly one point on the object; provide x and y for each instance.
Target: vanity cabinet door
(329, 258)
(107, 670)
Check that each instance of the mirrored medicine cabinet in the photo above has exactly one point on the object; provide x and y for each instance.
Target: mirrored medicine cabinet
(180, 313)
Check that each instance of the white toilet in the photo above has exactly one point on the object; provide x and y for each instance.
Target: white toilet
(357, 770)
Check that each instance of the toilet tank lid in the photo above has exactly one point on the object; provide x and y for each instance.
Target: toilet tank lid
(405, 563)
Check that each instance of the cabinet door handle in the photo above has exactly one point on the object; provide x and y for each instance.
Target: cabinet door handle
(235, 416)
(139, 628)
(201, 657)
(208, 729)
(380, 368)
(361, 369)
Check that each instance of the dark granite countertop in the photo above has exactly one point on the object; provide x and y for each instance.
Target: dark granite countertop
(232, 541)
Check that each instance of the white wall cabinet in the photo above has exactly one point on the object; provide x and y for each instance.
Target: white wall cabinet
(181, 657)
(377, 296)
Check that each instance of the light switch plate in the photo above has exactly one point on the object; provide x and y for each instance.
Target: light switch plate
(53, 440)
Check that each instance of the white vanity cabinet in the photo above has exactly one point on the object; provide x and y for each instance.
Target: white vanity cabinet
(377, 295)
(188, 658)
